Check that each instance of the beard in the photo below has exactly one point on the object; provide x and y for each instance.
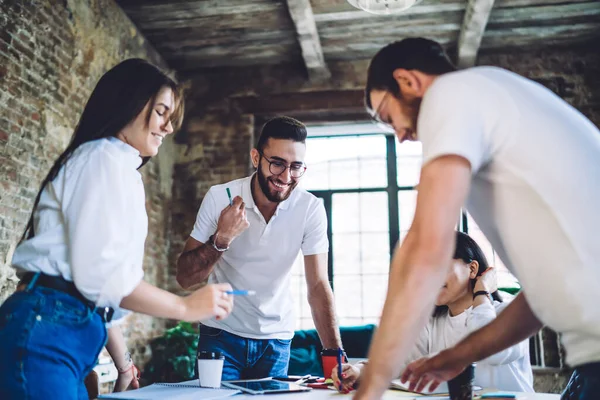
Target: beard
(412, 108)
(272, 195)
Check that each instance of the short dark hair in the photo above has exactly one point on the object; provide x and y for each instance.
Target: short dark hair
(422, 54)
(281, 128)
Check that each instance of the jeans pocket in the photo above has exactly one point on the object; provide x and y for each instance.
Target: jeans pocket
(209, 331)
(284, 342)
(70, 312)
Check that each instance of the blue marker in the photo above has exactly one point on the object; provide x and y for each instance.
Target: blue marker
(339, 363)
(241, 292)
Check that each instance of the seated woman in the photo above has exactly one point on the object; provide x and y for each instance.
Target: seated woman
(468, 301)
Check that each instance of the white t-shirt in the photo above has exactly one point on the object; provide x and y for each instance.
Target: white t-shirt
(534, 193)
(91, 223)
(261, 258)
(508, 370)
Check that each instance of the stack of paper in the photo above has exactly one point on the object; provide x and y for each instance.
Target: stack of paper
(176, 391)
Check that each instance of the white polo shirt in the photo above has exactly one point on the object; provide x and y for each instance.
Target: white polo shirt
(261, 258)
(534, 193)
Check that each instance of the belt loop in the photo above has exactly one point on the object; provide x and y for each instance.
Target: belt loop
(32, 282)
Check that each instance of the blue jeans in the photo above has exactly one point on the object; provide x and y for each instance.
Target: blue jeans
(584, 383)
(246, 358)
(49, 342)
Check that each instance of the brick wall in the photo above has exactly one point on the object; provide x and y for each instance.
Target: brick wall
(51, 55)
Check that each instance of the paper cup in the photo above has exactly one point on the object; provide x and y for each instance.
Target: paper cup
(210, 368)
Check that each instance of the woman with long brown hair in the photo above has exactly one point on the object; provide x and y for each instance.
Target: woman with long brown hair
(81, 257)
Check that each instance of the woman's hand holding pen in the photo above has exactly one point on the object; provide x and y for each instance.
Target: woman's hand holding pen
(350, 375)
(207, 302)
(232, 222)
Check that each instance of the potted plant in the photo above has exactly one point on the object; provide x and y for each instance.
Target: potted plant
(173, 355)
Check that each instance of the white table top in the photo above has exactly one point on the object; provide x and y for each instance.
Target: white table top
(185, 391)
(321, 394)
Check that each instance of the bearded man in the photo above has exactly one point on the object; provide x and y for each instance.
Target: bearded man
(251, 241)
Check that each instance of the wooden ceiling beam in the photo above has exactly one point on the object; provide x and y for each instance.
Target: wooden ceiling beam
(327, 101)
(477, 14)
(308, 37)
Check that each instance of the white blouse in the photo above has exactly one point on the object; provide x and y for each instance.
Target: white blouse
(508, 370)
(91, 223)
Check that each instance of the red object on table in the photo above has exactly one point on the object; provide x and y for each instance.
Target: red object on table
(329, 358)
(318, 385)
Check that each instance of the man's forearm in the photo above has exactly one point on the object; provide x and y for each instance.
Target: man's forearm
(320, 299)
(194, 266)
(415, 280)
(495, 337)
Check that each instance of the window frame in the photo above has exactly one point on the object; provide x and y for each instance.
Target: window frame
(391, 189)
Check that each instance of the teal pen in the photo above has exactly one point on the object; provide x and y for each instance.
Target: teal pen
(241, 292)
(229, 195)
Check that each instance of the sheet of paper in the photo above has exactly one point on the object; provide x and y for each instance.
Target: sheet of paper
(440, 390)
(402, 395)
(189, 390)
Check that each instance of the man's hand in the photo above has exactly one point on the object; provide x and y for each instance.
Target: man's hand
(440, 368)
(350, 375)
(232, 222)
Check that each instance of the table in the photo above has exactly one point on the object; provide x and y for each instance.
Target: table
(321, 394)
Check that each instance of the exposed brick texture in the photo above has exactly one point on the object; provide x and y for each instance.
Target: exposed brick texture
(51, 55)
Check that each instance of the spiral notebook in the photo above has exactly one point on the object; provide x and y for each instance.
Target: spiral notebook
(187, 390)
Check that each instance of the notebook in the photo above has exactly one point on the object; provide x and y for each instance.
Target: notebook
(189, 390)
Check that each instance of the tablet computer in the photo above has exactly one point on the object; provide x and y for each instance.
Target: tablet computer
(264, 386)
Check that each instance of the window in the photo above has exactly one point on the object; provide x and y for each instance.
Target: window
(352, 175)
(367, 183)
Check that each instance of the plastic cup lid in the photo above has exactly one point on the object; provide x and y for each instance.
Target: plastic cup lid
(210, 355)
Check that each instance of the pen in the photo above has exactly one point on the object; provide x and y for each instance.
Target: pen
(241, 292)
(339, 362)
(229, 195)
(303, 379)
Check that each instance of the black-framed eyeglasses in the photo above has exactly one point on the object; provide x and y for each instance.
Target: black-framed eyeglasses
(384, 125)
(277, 167)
